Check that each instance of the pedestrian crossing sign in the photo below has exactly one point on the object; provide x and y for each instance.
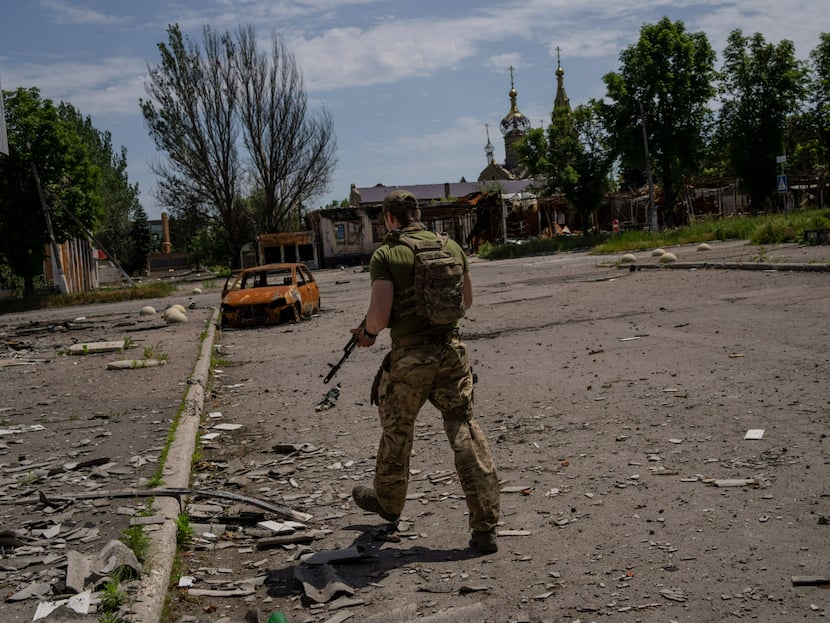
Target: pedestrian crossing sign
(782, 183)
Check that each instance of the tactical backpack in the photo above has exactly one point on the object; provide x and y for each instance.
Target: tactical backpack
(438, 291)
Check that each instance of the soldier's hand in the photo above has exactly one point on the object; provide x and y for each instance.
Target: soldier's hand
(363, 340)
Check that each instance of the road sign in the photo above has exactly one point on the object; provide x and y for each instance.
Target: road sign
(782, 183)
(781, 159)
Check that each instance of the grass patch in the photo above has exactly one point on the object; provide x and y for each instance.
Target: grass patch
(156, 289)
(759, 230)
(156, 479)
(112, 595)
(184, 531)
(154, 352)
(137, 540)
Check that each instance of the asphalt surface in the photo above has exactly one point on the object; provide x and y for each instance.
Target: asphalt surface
(528, 314)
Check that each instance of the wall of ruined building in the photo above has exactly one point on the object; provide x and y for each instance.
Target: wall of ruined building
(78, 264)
(283, 247)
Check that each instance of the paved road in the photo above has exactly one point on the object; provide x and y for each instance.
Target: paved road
(586, 370)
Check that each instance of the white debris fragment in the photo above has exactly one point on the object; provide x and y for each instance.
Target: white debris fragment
(89, 348)
(30, 428)
(227, 426)
(134, 364)
(77, 603)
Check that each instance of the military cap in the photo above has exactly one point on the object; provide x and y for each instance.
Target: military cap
(402, 198)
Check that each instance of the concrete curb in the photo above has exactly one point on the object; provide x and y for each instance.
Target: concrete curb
(176, 473)
(732, 266)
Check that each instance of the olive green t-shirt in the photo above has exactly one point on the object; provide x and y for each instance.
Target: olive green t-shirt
(394, 261)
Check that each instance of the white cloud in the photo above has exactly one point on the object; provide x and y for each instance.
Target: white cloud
(112, 86)
(500, 62)
(64, 12)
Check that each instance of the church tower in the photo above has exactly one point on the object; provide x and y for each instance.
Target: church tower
(488, 148)
(514, 127)
(561, 100)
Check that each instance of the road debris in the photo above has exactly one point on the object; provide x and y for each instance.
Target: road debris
(91, 348)
(135, 364)
(277, 509)
(329, 400)
(321, 583)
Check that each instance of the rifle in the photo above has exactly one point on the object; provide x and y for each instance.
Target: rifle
(347, 350)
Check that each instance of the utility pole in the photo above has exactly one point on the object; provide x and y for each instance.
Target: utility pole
(652, 210)
(57, 265)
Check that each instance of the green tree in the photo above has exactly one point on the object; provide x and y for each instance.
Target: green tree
(548, 155)
(572, 157)
(593, 160)
(122, 228)
(40, 141)
(141, 241)
(665, 81)
(192, 118)
(761, 85)
(290, 149)
(808, 136)
(225, 109)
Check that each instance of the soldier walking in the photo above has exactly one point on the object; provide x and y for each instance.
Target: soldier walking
(427, 361)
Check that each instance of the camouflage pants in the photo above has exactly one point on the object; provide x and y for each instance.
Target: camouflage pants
(437, 371)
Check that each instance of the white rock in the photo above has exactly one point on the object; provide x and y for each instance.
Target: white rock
(147, 310)
(174, 316)
(628, 258)
(657, 252)
(704, 246)
(197, 290)
(667, 258)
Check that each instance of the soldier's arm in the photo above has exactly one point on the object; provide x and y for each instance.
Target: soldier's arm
(468, 291)
(380, 307)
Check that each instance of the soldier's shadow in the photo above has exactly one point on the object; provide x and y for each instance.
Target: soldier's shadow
(367, 560)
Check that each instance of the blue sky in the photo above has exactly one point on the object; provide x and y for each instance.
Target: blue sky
(410, 85)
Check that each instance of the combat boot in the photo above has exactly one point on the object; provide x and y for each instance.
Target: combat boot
(366, 499)
(485, 542)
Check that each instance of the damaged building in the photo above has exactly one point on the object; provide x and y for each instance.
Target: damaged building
(468, 214)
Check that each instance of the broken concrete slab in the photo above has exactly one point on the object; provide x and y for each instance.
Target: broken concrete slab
(35, 589)
(116, 555)
(78, 570)
(321, 583)
(348, 554)
(79, 604)
(132, 364)
(91, 348)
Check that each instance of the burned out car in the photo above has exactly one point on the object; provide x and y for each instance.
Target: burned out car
(269, 294)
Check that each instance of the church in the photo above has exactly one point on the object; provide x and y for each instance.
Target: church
(514, 127)
(498, 207)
